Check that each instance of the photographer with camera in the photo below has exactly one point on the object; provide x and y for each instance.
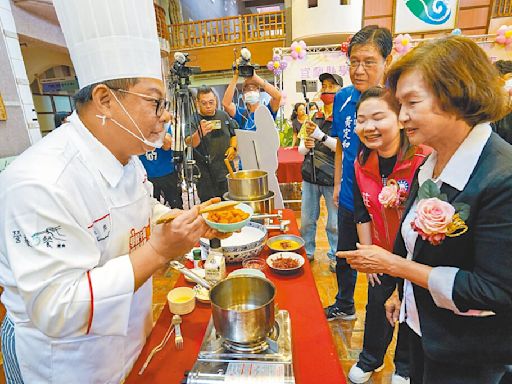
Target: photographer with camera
(244, 115)
(213, 141)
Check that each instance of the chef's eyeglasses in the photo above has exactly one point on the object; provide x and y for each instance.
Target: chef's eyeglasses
(161, 104)
(370, 64)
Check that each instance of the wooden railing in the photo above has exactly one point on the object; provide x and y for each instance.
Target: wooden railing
(502, 8)
(228, 30)
(161, 24)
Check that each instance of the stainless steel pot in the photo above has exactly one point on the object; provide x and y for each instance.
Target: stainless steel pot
(251, 184)
(263, 205)
(243, 308)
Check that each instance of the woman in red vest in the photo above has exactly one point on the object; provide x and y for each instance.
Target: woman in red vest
(384, 171)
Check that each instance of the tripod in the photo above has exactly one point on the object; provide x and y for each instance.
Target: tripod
(186, 118)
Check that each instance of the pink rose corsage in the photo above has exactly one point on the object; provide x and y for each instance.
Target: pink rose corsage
(436, 218)
(392, 195)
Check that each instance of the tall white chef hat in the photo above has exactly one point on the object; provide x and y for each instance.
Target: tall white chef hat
(110, 39)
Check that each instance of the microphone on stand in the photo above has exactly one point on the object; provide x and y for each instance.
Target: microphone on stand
(312, 150)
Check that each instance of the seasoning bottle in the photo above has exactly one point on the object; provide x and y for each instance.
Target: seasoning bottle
(197, 258)
(215, 264)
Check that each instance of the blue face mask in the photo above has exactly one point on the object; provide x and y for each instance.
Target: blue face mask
(252, 97)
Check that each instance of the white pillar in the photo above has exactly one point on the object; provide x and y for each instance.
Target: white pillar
(21, 128)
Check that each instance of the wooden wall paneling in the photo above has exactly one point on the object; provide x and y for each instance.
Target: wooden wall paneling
(473, 18)
(386, 21)
(377, 8)
(474, 3)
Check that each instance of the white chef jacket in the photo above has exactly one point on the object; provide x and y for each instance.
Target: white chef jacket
(71, 213)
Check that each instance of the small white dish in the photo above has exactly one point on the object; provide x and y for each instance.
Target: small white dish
(248, 272)
(285, 255)
(181, 300)
(202, 294)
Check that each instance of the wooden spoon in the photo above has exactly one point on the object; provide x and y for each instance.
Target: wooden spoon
(228, 166)
(223, 205)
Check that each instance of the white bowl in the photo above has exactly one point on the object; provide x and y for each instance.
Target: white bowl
(241, 245)
(231, 227)
(286, 255)
(181, 300)
(247, 272)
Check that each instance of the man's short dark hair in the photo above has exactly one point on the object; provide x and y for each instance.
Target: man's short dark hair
(504, 66)
(373, 34)
(84, 95)
(203, 90)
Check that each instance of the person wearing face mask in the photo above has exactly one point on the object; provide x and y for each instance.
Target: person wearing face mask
(503, 127)
(159, 165)
(244, 115)
(213, 140)
(319, 181)
(79, 244)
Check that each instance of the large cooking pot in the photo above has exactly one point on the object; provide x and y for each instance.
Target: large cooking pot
(260, 206)
(251, 184)
(242, 306)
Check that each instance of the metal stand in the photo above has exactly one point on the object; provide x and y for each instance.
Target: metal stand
(312, 150)
(186, 117)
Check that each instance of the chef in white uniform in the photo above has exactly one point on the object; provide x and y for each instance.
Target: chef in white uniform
(78, 246)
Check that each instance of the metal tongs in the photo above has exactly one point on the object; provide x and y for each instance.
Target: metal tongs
(190, 274)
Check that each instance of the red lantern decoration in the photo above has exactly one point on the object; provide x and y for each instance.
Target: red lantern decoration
(344, 47)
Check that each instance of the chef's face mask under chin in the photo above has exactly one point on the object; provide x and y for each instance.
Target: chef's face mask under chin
(158, 143)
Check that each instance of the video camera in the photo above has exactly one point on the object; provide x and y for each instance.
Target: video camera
(179, 67)
(245, 68)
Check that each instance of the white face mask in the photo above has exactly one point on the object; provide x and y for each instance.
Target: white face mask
(508, 84)
(158, 143)
(252, 97)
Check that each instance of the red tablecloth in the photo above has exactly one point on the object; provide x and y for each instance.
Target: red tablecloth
(315, 359)
(290, 165)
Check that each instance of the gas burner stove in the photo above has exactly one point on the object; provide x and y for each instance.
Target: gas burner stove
(222, 361)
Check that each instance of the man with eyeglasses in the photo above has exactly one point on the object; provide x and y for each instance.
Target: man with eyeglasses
(369, 54)
(213, 141)
(79, 241)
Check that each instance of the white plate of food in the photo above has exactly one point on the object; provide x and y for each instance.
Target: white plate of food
(285, 263)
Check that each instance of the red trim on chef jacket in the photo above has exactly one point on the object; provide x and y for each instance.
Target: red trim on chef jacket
(89, 323)
(95, 221)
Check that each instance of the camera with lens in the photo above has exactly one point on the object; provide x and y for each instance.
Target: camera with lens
(243, 64)
(179, 67)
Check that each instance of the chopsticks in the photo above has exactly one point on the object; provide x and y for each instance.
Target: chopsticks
(209, 208)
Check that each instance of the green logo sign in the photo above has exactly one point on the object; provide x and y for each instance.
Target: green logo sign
(434, 12)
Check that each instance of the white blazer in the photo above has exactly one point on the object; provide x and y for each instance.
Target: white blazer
(70, 214)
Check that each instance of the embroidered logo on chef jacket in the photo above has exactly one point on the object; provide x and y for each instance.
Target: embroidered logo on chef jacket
(50, 237)
(139, 238)
(101, 227)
